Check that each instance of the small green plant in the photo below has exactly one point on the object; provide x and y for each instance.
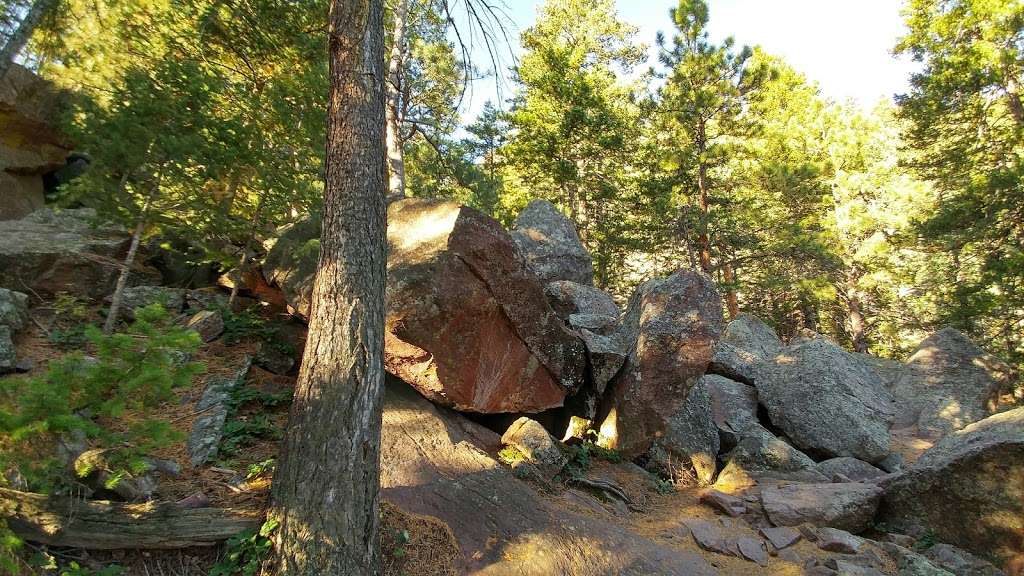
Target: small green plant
(244, 325)
(75, 569)
(511, 455)
(663, 487)
(241, 431)
(402, 539)
(134, 371)
(260, 469)
(926, 541)
(70, 307)
(246, 552)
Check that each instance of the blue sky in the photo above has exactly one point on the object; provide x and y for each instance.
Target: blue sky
(843, 45)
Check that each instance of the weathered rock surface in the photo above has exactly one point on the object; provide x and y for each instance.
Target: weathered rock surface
(948, 383)
(8, 360)
(595, 317)
(960, 562)
(51, 252)
(691, 438)
(759, 454)
(209, 324)
(29, 144)
(534, 442)
(781, 537)
(725, 503)
(13, 309)
(837, 540)
(436, 463)
(910, 563)
(747, 342)
(968, 489)
(733, 407)
(675, 323)
(849, 507)
(826, 401)
(173, 299)
(889, 371)
(212, 411)
(550, 244)
(851, 468)
(468, 324)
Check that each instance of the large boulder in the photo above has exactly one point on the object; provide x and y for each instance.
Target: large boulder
(550, 244)
(747, 342)
(674, 323)
(847, 506)
(436, 463)
(690, 440)
(967, 490)
(828, 402)
(851, 468)
(467, 324)
(569, 298)
(948, 383)
(50, 252)
(133, 297)
(29, 144)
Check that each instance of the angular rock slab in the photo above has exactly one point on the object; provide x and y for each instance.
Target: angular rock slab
(53, 252)
(760, 455)
(733, 407)
(436, 463)
(968, 489)
(827, 401)
(849, 507)
(947, 383)
(550, 244)
(856, 470)
(534, 442)
(691, 438)
(212, 411)
(747, 342)
(675, 323)
(467, 324)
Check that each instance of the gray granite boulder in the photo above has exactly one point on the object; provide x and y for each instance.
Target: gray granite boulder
(538, 447)
(967, 490)
(8, 359)
(691, 439)
(747, 342)
(173, 299)
(13, 309)
(212, 412)
(760, 455)
(733, 407)
(948, 383)
(549, 243)
(827, 401)
(846, 506)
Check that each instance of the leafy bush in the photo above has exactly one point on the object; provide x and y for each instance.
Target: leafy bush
(134, 371)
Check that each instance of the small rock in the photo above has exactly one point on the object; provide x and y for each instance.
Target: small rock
(892, 463)
(134, 297)
(723, 502)
(7, 358)
(272, 358)
(752, 549)
(898, 539)
(534, 442)
(789, 555)
(211, 409)
(708, 536)
(849, 506)
(833, 540)
(209, 324)
(781, 537)
(193, 501)
(548, 241)
(13, 309)
(910, 563)
(847, 568)
(24, 365)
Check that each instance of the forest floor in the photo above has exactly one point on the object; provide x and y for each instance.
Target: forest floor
(412, 545)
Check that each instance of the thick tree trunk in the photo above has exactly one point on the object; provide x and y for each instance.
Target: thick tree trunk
(129, 261)
(396, 75)
(21, 36)
(99, 525)
(326, 488)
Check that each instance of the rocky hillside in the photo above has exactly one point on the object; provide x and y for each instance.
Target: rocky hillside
(549, 431)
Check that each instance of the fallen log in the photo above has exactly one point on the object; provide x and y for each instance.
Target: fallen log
(101, 525)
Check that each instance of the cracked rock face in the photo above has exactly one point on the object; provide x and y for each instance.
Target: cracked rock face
(549, 243)
(468, 324)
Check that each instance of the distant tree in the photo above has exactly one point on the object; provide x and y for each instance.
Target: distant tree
(703, 105)
(326, 486)
(966, 134)
(21, 34)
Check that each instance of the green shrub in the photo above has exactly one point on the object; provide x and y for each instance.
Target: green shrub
(246, 552)
(134, 371)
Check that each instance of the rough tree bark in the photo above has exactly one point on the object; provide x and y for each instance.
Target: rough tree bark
(326, 487)
(396, 75)
(129, 260)
(21, 36)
